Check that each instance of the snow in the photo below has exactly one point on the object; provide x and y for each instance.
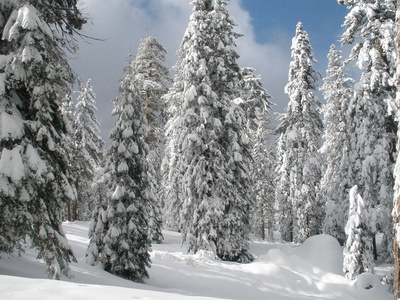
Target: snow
(11, 126)
(280, 272)
(11, 164)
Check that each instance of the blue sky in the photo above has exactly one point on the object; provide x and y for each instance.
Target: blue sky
(268, 28)
(323, 18)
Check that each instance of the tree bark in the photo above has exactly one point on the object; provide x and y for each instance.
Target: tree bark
(76, 200)
(69, 211)
(262, 230)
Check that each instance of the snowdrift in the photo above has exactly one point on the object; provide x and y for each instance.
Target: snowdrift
(280, 272)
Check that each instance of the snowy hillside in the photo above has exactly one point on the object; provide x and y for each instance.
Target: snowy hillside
(280, 272)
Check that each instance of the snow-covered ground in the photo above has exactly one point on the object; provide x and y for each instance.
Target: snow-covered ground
(280, 272)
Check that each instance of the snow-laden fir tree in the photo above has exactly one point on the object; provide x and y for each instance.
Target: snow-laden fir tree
(263, 178)
(99, 222)
(254, 99)
(152, 77)
(357, 252)
(300, 130)
(207, 137)
(335, 184)
(124, 249)
(67, 110)
(35, 184)
(370, 27)
(88, 149)
(172, 177)
(256, 102)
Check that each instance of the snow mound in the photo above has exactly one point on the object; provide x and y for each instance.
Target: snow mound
(323, 252)
(367, 281)
(371, 284)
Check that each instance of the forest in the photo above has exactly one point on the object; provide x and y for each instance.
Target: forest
(197, 152)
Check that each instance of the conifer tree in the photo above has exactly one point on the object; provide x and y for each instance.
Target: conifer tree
(300, 130)
(335, 185)
(35, 183)
(370, 26)
(123, 228)
(88, 148)
(256, 102)
(358, 249)
(208, 131)
(151, 77)
(254, 99)
(263, 178)
(67, 110)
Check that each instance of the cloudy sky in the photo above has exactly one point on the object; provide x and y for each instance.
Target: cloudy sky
(268, 27)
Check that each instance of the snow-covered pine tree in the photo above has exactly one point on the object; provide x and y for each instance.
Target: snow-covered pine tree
(125, 247)
(300, 131)
(67, 110)
(99, 222)
(35, 183)
(370, 25)
(263, 178)
(88, 149)
(254, 99)
(282, 192)
(152, 77)
(335, 184)
(256, 102)
(358, 249)
(172, 176)
(208, 131)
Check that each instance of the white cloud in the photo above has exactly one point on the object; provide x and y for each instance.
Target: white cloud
(123, 23)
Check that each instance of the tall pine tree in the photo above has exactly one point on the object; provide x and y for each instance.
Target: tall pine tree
(263, 178)
(88, 149)
(151, 78)
(256, 102)
(300, 130)
(335, 185)
(119, 234)
(370, 26)
(35, 183)
(208, 131)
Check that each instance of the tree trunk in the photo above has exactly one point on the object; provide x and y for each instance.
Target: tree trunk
(262, 230)
(76, 200)
(375, 248)
(69, 211)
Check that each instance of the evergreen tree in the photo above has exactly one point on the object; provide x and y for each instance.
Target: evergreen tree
(124, 249)
(88, 148)
(254, 99)
(256, 103)
(208, 131)
(263, 177)
(372, 130)
(358, 249)
(152, 78)
(335, 185)
(99, 222)
(67, 110)
(35, 183)
(172, 176)
(300, 131)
